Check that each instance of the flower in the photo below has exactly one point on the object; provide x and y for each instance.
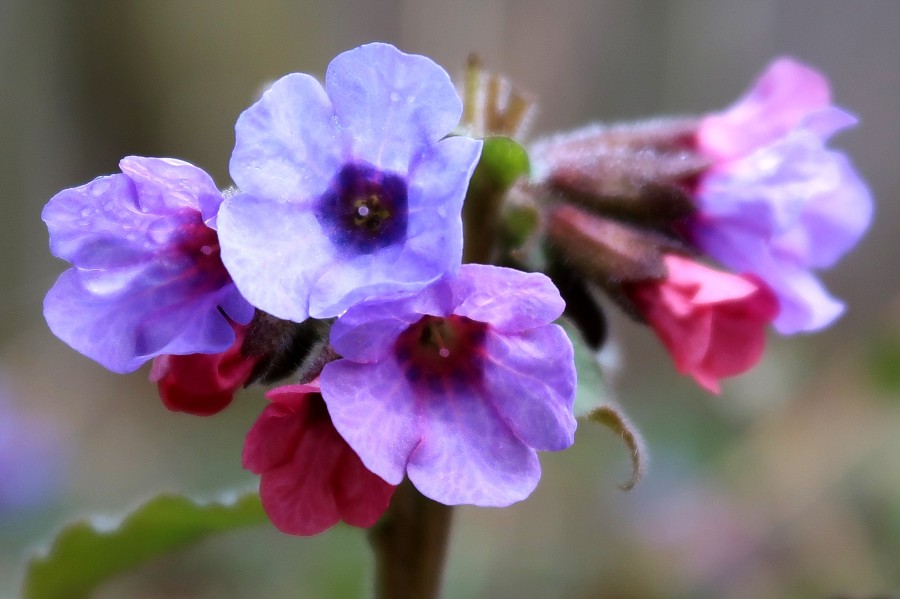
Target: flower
(350, 192)
(456, 386)
(203, 384)
(776, 202)
(311, 479)
(713, 323)
(147, 279)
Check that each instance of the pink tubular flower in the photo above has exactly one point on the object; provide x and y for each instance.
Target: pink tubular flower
(777, 202)
(311, 478)
(202, 384)
(712, 322)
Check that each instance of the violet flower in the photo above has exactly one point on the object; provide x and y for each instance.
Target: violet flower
(776, 202)
(456, 386)
(147, 279)
(350, 192)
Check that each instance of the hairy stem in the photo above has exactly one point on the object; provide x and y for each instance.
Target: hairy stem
(410, 544)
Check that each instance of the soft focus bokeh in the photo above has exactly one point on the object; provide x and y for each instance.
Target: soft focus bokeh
(788, 485)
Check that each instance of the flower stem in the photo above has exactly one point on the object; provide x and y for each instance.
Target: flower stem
(410, 544)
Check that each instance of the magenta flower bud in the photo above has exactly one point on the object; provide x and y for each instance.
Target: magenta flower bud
(713, 323)
(311, 478)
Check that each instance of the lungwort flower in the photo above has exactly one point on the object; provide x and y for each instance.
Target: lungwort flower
(713, 323)
(349, 192)
(203, 384)
(456, 386)
(776, 202)
(311, 479)
(147, 279)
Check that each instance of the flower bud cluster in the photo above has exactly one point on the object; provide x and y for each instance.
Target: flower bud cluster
(633, 209)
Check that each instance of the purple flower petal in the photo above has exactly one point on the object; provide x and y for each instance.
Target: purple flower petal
(366, 332)
(394, 104)
(834, 218)
(165, 184)
(271, 250)
(510, 300)
(778, 101)
(469, 455)
(287, 145)
(121, 322)
(805, 305)
(530, 378)
(373, 410)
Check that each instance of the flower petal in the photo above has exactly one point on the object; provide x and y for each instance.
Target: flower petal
(394, 104)
(164, 184)
(375, 411)
(833, 219)
(85, 310)
(530, 378)
(287, 147)
(509, 300)
(782, 96)
(273, 251)
(469, 455)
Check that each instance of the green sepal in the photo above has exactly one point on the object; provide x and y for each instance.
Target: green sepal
(503, 161)
(88, 552)
(613, 418)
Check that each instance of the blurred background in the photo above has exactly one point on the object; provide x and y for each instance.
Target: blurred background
(787, 485)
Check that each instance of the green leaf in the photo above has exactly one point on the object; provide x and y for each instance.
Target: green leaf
(88, 552)
(594, 401)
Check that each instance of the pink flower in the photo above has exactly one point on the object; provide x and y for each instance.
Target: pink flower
(712, 322)
(311, 478)
(202, 384)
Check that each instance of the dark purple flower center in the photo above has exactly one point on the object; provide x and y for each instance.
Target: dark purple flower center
(199, 245)
(364, 209)
(435, 350)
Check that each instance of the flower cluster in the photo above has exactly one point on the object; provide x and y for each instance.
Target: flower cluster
(338, 262)
(632, 207)
(348, 206)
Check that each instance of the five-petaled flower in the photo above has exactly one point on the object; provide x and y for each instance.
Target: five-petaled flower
(349, 192)
(777, 203)
(147, 279)
(456, 386)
